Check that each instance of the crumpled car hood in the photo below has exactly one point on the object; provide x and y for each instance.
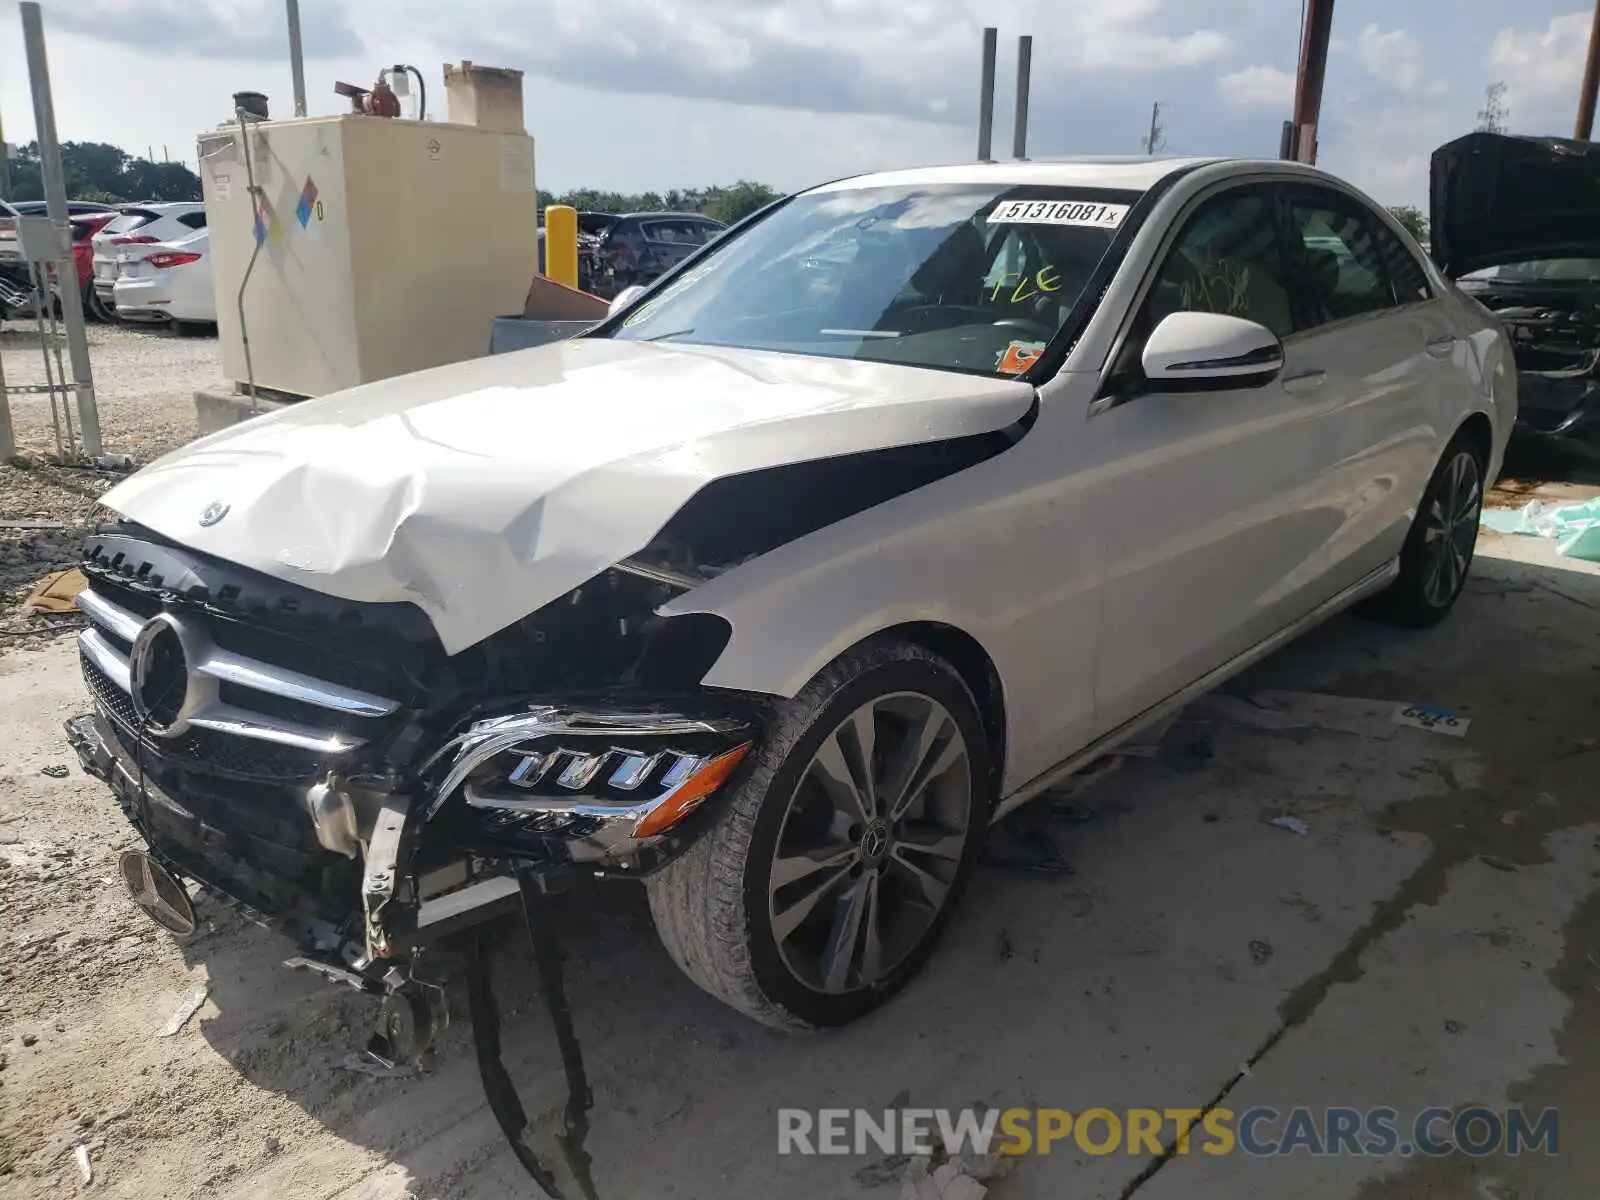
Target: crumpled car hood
(483, 490)
(1497, 198)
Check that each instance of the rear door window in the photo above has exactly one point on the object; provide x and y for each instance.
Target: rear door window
(1345, 274)
(127, 222)
(673, 231)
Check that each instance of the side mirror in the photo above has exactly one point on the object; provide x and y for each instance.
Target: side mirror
(624, 298)
(1201, 351)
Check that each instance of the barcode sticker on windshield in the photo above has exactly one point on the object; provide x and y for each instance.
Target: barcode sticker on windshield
(1058, 212)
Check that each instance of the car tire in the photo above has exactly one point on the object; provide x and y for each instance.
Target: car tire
(883, 889)
(1437, 555)
(95, 307)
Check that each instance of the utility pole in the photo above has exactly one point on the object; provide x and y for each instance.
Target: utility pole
(1492, 117)
(1019, 126)
(297, 58)
(991, 45)
(1158, 134)
(1591, 81)
(1301, 137)
(55, 194)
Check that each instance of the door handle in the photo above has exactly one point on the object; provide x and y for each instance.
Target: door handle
(1306, 381)
(1442, 346)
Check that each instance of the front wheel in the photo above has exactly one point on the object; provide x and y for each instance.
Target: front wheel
(824, 886)
(1438, 551)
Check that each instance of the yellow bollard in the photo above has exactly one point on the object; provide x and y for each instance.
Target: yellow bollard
(561, 244)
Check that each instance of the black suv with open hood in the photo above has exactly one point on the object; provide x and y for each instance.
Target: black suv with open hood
(1516, 222)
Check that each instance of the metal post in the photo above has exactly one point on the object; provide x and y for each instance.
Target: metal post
(1314, 40)
(297, 58)
(1019, 127)
(991, 39)
(1591, 81)
(55, 194)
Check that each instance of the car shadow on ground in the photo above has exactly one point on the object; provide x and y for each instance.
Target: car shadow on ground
(1146, 976)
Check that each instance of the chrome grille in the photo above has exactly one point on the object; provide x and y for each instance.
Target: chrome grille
(209, 719)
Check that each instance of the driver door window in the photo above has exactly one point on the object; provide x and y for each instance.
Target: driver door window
(1227, 260)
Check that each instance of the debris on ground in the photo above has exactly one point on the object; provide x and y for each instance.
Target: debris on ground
(187, 1007)
(1574, 527)
(367, 1064)
(1436, 720)
(1260, 952)
(55, 771)
(56, 592)
(943, 1176)
(85, 1167)
(1293, 824)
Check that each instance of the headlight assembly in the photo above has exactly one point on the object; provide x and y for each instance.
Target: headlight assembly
(604, 779)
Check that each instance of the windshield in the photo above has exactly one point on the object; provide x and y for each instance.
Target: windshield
(963, 277)
(1549, 270)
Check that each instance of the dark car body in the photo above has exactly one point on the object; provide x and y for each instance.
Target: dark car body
(1516, 222)
(639, 248)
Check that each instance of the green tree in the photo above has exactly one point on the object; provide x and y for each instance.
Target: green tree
(102, 172)
(736, 202)
(1412, 218)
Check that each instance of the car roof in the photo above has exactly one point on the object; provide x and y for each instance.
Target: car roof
(1131, 172)
(693, 216)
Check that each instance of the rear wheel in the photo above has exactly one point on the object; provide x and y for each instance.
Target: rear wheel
(826, 884)
(1438, 551)
(94, 306)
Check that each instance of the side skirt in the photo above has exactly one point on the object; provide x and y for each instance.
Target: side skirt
(1368, 585)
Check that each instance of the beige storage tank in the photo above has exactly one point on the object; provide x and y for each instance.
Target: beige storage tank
(381, 245)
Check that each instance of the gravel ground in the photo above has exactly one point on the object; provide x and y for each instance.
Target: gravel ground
(144, 381)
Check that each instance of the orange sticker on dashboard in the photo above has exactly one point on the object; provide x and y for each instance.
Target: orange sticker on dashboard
(1019, 356)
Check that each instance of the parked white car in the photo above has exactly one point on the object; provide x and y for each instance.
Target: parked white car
(138, 225)
(167, 281)
(864, 526)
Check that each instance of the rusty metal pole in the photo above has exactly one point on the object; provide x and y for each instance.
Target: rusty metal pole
(1591, 81)
(1308, 79)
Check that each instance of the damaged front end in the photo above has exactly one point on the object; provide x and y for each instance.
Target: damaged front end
(1551, 312)
(324, 763)
(1516, 222)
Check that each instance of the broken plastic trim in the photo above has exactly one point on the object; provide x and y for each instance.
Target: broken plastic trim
(501, 1093)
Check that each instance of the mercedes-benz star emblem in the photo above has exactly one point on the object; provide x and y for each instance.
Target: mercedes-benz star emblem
(874, 841)
(159, 676)
(213, 512)
(155, 890)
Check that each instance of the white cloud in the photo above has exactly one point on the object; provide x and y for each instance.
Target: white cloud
(1541, 69)
(1257, 87)
(1394, 58)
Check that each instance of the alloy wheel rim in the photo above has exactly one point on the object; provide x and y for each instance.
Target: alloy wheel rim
(870, 843)
(1451, 530)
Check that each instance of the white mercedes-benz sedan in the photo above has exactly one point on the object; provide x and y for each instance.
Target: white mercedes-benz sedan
(904, 501)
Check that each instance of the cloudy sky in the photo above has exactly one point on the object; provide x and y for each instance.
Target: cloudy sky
(637, 94)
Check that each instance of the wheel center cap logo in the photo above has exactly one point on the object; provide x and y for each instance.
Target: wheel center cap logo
(875, 841)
